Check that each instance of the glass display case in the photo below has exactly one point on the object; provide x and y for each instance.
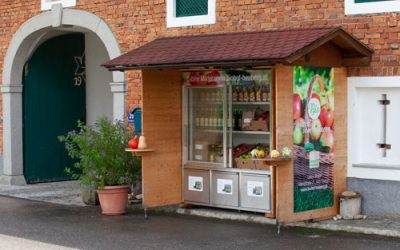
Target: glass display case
(206, 125)
(224, 121)
(227, 114)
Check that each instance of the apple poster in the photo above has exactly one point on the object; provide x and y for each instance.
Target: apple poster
(313, 137)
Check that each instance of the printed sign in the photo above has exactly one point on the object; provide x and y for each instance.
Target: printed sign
(196, 183)
(313, 106)
(131, 118)
(258, 79)
(314, 159)
(224, 186)
(255, 188)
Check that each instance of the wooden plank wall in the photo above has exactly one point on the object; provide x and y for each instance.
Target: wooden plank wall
(162, 126)
(284, 137)
(327, 55)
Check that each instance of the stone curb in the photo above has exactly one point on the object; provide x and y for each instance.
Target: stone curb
(225, 215)
(347, 228)
(246, 217)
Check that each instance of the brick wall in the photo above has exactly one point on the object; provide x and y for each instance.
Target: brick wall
(136, 22)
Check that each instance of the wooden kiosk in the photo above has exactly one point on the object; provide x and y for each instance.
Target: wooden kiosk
(307, 112)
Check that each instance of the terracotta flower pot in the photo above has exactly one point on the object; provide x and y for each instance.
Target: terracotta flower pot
(113, 199)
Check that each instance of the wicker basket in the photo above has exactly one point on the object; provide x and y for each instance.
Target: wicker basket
(302, 171)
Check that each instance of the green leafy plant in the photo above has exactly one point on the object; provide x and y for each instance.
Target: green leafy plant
(99, 151)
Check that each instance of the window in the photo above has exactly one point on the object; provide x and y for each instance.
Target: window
(191, 8)
(46, 4)
(368, 127)
(370, 6)
(190, 12)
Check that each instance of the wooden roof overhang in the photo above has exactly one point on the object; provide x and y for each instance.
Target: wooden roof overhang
(241, 49)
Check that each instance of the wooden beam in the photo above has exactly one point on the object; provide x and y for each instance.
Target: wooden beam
(356, 61)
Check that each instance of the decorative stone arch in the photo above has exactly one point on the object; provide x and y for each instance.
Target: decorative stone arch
(23, 43)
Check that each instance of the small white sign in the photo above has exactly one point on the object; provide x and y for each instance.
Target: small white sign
(198, 157)
(314, 159)
(224, 186)
(247, 120)
(255, 188)
(198, 146)
(196, 183)
(314, 108)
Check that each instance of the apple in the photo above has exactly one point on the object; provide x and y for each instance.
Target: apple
(316, 96)
(297, 106)
(298, 131)
(133, 143)
(327, 140)
(326, 117)
(316, 129)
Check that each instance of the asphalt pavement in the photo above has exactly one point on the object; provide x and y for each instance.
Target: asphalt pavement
(26, 224)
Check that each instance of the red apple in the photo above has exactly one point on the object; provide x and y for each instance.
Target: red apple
(297, 106)
(327, 140)
(316, 96)
(133, 143)
(316, 129)
(326, 117)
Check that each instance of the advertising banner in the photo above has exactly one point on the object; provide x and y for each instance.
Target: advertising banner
(313, 137)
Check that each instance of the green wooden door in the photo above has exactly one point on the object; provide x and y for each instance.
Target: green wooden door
(54, 99)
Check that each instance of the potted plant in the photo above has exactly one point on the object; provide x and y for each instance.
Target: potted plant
(101, 161)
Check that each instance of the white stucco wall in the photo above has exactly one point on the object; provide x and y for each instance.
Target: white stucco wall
(99, 98)
(365, 128)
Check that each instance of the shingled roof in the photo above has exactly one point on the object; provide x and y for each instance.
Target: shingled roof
(239, 49)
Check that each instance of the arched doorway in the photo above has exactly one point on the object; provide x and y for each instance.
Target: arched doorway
(54, 98)
(25, 42)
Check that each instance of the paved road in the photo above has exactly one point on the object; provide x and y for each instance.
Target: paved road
(37, 225)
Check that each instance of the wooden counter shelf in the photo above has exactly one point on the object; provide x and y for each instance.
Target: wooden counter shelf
(263, 163)
(140, 152)
(271, 161)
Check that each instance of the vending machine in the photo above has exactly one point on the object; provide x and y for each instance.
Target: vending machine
(227, 122)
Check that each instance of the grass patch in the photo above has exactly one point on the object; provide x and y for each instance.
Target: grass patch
(309, 200)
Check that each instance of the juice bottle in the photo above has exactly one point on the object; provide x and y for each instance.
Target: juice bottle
(234, 94)
(258, 93)
(207, 119)
(264, 94)
(220, 121)
(197, 121)
(202, 119)
(240, 94)
(252, 94)
(246, 92)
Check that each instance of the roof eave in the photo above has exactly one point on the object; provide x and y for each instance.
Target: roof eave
(221, 64)
(364, 51)
(360, 55)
